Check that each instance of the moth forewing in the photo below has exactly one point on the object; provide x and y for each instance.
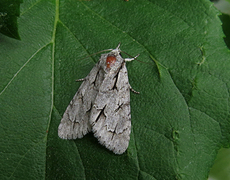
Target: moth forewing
(75, 121)
(110, 114)
(102, 104)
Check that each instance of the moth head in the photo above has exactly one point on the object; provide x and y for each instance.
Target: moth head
(114, 59)
(113, 62)
(110, 61)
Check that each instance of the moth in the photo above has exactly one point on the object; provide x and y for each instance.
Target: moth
(102, 104)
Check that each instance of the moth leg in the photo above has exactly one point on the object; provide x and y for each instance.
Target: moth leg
(133, 90)
(131, 59)
(80, 79)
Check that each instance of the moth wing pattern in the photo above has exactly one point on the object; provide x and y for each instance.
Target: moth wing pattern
(102, 105)
(75, 121)
(110, 116)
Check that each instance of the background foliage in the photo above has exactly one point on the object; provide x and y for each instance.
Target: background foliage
(9, 11)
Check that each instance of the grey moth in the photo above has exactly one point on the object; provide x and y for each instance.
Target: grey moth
(102, 105)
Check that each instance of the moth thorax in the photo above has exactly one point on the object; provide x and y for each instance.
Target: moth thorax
(110, 61)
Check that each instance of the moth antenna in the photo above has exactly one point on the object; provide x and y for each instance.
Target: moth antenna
(96, 53)
(118, 45)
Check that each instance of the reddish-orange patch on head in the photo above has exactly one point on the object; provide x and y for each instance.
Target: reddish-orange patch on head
(110, 60)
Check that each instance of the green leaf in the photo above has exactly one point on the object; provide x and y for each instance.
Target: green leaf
(228, 1)
(180, 119)
(221, 167)
(226, 25)
(9, 11)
